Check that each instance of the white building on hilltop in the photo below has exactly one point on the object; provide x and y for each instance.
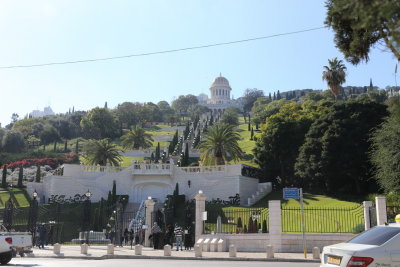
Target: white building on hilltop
(38, 113)
(220, 92)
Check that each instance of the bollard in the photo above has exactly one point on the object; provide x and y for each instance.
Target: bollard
(138, 249)
(57, 248)
(270, 252)
(110, 249)
(232, 251)
(84, 249)
(316, 253)
(197, 251)
(167, 250)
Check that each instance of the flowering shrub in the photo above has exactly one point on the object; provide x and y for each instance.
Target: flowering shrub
(52, 162)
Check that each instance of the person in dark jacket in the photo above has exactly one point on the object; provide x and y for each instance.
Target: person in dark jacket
(42, 235)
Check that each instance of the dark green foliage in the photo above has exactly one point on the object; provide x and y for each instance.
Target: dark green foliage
(196, 140)
(176, 191)
(152, 157)
(65, 145)
(4, 177)
(249, 97)
(360, 25)
(77, 146)
(334, 156)
(99, 123)
(114, 192)
(385, 154)
(20, 176)
(38, 174)
(186, 131)
(264, 226)
(251, 225)
(230, 116)
(248, 127)
(158, 152)
(277, 148)
(13, 142)
(55, 146)
(251, 134)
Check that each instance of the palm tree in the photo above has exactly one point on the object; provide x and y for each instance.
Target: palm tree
(334, 75)
(221, 143)
(102, 152)
(136, 138)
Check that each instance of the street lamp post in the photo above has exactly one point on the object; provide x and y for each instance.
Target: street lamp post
(33, 214)
(86, 215)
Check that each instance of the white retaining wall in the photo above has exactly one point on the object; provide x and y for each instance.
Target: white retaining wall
(138, 185)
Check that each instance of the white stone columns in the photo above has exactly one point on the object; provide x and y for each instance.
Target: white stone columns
(149, 210)
(381, 215)
(275, 224)
(200, 208)
(367, 218)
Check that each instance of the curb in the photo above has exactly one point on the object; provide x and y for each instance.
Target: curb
(107, 257)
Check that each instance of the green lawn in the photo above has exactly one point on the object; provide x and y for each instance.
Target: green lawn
(322, 214)
(20, 197)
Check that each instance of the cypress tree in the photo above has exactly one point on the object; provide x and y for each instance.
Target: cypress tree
(251, 134)
(248, 127)
(20, 176)
(37, 174)
(65, 145)
(77, 146)
(186, 155)
(152, 157)
(55, 146)
(158, 152)
(114, 192)
(101, 214)
(4, 178)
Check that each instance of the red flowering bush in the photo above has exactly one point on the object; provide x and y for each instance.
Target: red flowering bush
(52, 162)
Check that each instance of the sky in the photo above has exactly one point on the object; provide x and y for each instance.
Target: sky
(43, 31)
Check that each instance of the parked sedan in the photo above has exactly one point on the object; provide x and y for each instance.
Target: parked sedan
(379, 246)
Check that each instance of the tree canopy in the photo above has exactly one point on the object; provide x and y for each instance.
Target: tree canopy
(360, 24)
(220, 145)
(102, 152)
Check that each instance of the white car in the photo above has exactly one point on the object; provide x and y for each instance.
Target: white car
(379, 246)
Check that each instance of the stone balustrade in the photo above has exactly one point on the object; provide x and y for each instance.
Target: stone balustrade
(92, 168)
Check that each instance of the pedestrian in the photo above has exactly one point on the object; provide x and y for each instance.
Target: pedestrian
(155, 232)
(111, 236)
(178, 236)
(169, 235)
(188, 238)
(42, 235)
(126, 236)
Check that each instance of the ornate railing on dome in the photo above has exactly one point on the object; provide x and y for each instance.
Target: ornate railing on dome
(92, 168)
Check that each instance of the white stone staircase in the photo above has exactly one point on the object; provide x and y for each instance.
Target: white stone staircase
(263, 190)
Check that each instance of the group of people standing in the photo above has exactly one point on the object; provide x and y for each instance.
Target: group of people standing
(178, 234)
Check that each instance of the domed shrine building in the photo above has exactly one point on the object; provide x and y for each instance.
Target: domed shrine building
(220, 92)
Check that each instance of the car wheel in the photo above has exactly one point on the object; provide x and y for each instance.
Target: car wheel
(5, 258)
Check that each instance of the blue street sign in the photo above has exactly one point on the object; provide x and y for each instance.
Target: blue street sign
(289, 193)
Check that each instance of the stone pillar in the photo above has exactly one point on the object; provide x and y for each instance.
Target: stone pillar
(367, 219)
(110, 249)
(275, 224)
(138, 249)
(167, 250)
(200, 208)
(84, 249)
(381, 215)
(149, 210)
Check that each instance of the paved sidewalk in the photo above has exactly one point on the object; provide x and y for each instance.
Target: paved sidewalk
(100, 252)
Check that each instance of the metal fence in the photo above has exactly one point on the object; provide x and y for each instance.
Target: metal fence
(324, 220)
(236, 220)
(391, 212)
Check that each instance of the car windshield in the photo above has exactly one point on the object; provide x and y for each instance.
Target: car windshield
(376, 236)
